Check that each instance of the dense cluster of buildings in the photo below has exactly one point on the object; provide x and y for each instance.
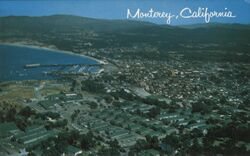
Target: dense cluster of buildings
(188, 102)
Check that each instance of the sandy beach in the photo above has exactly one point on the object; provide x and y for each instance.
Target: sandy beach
(52, 49)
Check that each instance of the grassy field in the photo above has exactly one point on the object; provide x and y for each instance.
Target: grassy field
(15, 94)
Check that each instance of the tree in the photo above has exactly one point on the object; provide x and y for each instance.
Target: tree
(73, 85)
(140, 145)
(74, 135)
(93, 105)
(26, 111)
(21, 123)
(196, 148)
(172, 140)
(200, 107)
(74, 114)
(152, 141)
(11, 115)
(108, 152)
(196, 133)
(61, 145)
(153, 112)
(131, 152)
(114, 144)
(108, 99)
(87, 141)
(51, 152)
(92, 86)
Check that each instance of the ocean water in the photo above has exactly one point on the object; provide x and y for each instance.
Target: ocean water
(14, 58)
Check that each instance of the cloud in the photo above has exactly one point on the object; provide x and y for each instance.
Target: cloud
(247, 1)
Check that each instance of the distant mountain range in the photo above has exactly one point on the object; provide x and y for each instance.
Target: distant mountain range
(67, 23)
(119, 32)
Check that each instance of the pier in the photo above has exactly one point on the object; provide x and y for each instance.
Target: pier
(61, 65)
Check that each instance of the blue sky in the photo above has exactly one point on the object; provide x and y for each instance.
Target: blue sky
(117, 9)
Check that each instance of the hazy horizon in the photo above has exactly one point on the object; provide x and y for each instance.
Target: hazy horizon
(212, 23)
(117, 10)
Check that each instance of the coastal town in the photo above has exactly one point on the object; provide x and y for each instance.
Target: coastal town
(134, 106)
(149, 92)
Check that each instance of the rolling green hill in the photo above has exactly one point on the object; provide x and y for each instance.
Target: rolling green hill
(67, 32)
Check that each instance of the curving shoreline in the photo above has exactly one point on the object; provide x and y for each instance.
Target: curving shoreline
(49, 49)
